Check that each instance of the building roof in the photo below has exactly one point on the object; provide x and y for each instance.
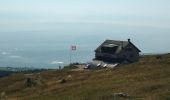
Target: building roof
(112, 43)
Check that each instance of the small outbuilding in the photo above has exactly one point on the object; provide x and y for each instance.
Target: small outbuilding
(117, 51)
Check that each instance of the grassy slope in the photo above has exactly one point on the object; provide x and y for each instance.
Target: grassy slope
(148, 79)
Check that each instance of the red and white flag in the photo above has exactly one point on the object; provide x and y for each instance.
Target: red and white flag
(73, 47)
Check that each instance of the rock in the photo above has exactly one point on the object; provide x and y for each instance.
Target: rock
(62, 81)
(124, 95)
(159, 57)
(32, 81)
(69, 77)
(3, 96)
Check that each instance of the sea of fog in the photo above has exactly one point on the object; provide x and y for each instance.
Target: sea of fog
(42, 58)
(48, 46)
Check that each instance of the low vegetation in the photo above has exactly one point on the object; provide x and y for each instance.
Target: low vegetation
(147, 79)
(68, 68)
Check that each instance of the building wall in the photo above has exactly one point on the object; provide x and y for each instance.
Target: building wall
(104, 57)
(130, 53)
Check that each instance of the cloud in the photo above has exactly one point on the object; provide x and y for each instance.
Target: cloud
(56, 62)
(15, 56)
(5, 53)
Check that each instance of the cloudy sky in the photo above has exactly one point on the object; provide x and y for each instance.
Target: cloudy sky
(146, 22)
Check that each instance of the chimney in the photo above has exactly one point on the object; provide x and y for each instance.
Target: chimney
(129, 40)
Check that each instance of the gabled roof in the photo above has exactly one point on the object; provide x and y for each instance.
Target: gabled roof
(120, 44)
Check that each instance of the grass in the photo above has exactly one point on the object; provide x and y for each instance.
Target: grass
(147, 79)
(3, 69)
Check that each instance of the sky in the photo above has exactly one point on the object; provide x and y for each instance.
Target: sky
(25, 23)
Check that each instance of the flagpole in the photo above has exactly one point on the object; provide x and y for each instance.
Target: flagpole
(73, 48)
(70, 56)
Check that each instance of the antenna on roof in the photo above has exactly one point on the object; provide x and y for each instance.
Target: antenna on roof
(129, 40)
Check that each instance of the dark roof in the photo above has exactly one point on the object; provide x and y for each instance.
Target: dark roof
(120, 44)
(110, 45)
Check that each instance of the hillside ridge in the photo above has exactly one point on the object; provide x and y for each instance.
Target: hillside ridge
(147, 79)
